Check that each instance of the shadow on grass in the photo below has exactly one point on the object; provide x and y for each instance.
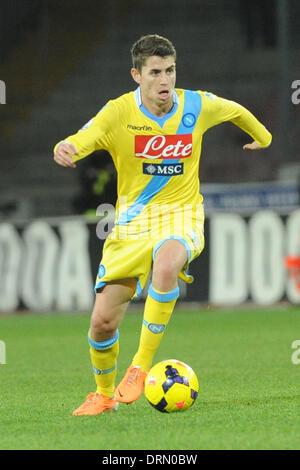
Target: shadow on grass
(250, 401)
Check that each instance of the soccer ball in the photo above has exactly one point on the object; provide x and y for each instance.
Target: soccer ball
(171, 385)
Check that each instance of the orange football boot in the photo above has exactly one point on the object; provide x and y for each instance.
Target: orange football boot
(96, 404)
(131, 386)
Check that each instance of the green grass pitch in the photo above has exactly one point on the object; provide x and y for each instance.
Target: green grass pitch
(249, 387)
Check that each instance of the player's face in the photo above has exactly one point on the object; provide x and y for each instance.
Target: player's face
(157, 81)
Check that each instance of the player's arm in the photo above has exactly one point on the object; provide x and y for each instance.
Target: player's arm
(262, 138)
(64, 152)
(221, 110)
(94, 135)
(252, 146)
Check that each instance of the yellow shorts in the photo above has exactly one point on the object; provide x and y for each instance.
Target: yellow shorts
(132, 256)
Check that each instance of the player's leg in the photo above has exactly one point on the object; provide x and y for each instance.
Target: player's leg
(110, 306)
(162, 295)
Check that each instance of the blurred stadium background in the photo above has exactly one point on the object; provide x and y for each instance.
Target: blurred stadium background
(61, 62)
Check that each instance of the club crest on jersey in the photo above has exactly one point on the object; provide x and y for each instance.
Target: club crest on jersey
(101, 271)
(163, 169)
(163, 146)
(189, 119)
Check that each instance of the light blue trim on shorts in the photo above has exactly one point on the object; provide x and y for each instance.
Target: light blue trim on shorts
(138, 291)
(164, 297)
(173, 237)
(139, 288)
(99, 285)
(101, 345)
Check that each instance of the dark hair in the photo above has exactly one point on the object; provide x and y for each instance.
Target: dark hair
(149, 45)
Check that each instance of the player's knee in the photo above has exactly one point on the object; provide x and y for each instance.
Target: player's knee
(103, 326)
(165, 271)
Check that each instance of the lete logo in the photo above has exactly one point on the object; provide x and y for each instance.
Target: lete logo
(163, 146)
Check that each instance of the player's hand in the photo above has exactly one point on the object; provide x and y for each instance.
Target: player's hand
(62, 155)
(253, 146)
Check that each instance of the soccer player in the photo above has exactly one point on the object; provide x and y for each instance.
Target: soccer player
(154, 136)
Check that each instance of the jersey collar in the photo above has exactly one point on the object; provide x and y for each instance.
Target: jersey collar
(159, 120)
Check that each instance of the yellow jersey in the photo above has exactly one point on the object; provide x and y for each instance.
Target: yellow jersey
(157, 158)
